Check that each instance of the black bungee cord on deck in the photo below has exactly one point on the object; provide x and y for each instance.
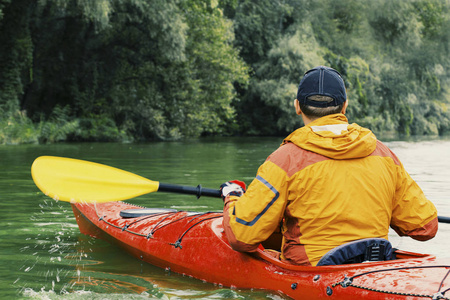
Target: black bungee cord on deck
(441, 294)
(177, 243)
(348, 282)
(155, 228)
(148, 217)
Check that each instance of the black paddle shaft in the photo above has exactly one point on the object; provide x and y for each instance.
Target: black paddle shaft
(442, 219)
(191, 190)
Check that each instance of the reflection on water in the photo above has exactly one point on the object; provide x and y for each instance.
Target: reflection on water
(43, 255)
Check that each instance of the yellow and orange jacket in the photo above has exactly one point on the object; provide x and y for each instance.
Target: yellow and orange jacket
(329, 183)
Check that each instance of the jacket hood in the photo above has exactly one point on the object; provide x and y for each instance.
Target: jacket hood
(333, 137)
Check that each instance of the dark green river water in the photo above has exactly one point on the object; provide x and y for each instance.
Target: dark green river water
(43, 255)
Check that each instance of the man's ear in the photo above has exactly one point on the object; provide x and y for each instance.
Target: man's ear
(344, 108)
(297, 107)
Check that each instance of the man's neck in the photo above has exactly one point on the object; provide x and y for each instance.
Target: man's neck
(307, 120)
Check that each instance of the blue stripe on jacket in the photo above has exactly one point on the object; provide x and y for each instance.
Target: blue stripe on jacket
(277, 194)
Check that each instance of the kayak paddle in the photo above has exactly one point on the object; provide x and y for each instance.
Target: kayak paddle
(74, 180)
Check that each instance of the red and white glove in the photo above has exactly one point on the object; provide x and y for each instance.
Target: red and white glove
(233, 188)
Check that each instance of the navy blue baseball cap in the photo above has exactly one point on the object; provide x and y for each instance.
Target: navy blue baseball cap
(323, 81)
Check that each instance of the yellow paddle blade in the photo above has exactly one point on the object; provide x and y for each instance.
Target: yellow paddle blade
(74, 180)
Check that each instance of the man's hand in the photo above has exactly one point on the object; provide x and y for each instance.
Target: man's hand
(233, 188)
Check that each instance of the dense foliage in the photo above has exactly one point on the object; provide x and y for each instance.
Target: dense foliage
(393, 55)
(129, 70)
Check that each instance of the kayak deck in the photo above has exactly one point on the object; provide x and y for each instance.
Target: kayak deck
(194, 244)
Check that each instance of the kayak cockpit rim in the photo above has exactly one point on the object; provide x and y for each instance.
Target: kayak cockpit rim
(402, 256)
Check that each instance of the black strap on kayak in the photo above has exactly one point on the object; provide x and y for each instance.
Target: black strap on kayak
(348, 282)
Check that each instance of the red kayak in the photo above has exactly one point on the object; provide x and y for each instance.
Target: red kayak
(194, 244)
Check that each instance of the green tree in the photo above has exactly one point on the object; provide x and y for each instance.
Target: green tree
(392, 55)
(15, 53)
(138, 69)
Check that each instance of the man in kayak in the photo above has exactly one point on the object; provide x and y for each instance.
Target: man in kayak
(329, 183)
